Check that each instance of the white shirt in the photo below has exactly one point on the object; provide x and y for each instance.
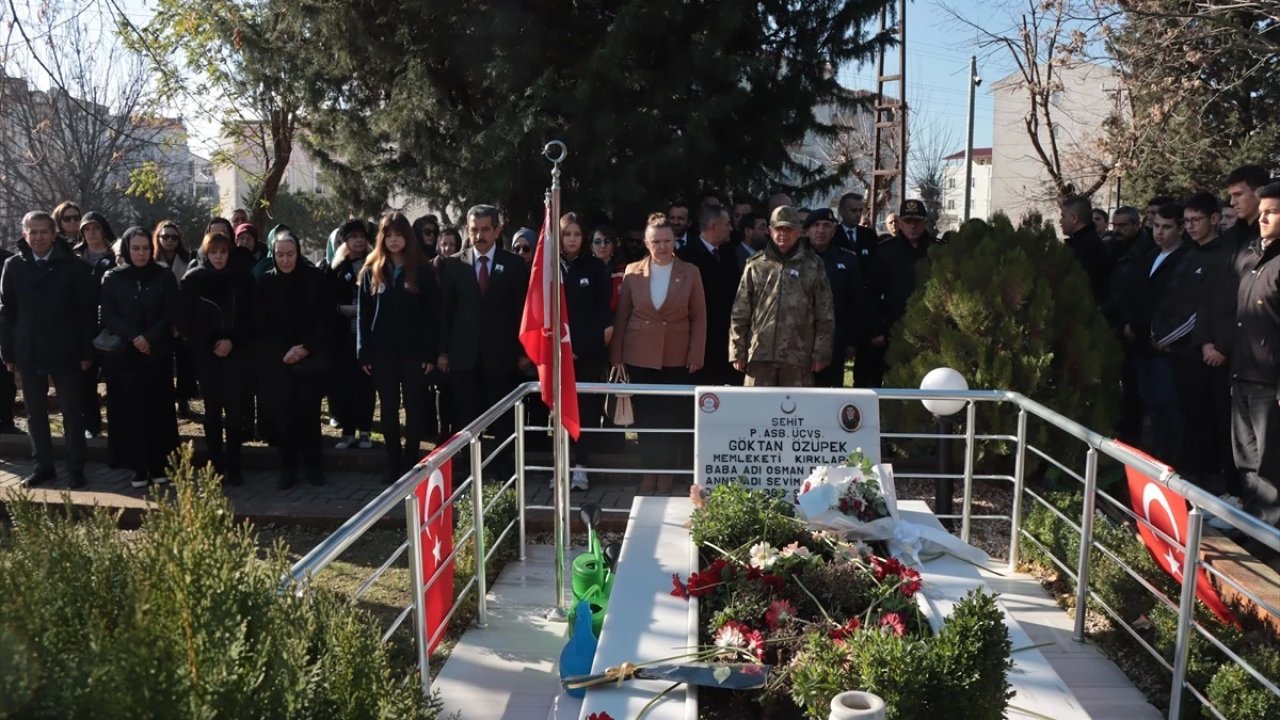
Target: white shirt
(659, 282)
(1159, 259)
(489, 263)
(710, 248)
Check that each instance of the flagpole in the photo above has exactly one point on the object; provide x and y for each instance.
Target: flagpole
(555, 151)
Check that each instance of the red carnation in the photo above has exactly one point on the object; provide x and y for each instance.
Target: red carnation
(600, 716)
(678, 588)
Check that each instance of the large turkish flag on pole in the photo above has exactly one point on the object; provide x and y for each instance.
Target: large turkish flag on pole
(437, 544)
(1167, 511)
(535, 334)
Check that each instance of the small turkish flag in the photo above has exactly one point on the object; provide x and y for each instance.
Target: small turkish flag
(1167, 511)
(437, 543)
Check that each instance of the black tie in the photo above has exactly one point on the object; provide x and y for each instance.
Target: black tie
(41, 264)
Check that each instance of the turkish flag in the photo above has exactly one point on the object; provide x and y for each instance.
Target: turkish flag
(1167, 510)
(437, 543)
(535, 334)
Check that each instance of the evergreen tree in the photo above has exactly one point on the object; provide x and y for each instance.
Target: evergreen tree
(453, 100)
(1010, 310)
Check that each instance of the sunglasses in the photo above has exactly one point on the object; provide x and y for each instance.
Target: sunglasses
(522, 249)
(70, 218)
(170, 236)
(601, 241)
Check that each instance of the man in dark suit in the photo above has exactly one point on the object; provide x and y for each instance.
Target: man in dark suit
(718, 264)
(847, 294)
(482, 291)
(47, 320)
(1076, 222)
(852, 235)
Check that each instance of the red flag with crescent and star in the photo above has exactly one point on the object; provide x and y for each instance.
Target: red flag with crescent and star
(535, 335)
(437, 544)
(1167, 510)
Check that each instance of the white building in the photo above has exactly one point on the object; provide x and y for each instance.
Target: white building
(1020, 182)
(953, 189)
(242, 162)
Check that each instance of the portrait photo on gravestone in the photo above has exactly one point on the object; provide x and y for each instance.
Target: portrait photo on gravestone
(772, 440)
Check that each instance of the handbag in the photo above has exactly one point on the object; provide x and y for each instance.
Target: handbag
(618, 405)
(107, 341)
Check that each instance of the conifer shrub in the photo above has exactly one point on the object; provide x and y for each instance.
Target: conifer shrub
(180, 619)
(1010, 310)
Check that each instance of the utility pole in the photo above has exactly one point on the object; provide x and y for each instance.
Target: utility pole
(974, 82)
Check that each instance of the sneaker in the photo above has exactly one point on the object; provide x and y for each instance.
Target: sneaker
(1220, 524)
(333, 422)
(89, 435)
(578, 480)
(346, 442)
(138, 480)
(365, 443)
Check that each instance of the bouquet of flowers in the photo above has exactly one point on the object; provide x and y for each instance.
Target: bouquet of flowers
(858, 500)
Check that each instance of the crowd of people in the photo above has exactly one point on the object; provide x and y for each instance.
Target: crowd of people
(425, 319)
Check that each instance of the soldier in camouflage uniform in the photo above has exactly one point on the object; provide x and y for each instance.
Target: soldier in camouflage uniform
(782, 323)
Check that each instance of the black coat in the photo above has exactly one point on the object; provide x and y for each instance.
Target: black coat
(1125, 259)
(482, 331)
(862, 243)
(215, 305)
(47, 318)
(1256, 356)
(289, 310)
(1145, 292)
(1092, 256)
(140, 301)
(892, 280)
(588, 290)
(720, 273)
(1184, 321)
(397, 323)
(852, 313)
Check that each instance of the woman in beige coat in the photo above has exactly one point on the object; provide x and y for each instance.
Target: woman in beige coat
(660, 337)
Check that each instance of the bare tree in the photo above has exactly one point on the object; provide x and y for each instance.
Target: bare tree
(854, 148)
(77, 117)
(931, 143)
(1051, 45)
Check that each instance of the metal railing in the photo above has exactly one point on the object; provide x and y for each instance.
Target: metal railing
(1096, 446)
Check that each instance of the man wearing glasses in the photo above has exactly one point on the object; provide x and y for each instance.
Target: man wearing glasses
(1125, 247)
(1198, 342)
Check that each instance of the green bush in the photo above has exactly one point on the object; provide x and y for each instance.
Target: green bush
(181, 619)
(735, 515)
(1011, 310)
(1238, 696)
(917, 679)
(502, 510)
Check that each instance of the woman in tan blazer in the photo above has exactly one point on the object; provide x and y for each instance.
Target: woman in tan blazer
(660, 337)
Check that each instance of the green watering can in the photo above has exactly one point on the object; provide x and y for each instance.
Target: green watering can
(589, 569)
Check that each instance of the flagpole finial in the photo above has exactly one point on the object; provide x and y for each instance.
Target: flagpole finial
(555, 151)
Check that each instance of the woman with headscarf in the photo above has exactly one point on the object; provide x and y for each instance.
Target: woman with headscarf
(292, 342)
(396, 339)
(351, 390)
(94, 245)
(173, 254)
(137, 305)
(214, 316)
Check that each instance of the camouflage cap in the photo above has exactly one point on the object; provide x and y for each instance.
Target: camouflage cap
(784, 216)
(913, 209)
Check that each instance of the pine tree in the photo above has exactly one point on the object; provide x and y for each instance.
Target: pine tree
(453, 100)
(1010, 310)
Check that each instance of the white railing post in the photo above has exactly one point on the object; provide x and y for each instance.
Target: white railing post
(1019, 481)
(477, 528)
(970, 433)
(521, 539)
(413, 523)
(1086, 542)
(1186, 610)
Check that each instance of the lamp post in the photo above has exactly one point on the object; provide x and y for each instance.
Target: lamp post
(943, 379)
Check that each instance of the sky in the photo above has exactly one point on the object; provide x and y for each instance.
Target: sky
(938, 51)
